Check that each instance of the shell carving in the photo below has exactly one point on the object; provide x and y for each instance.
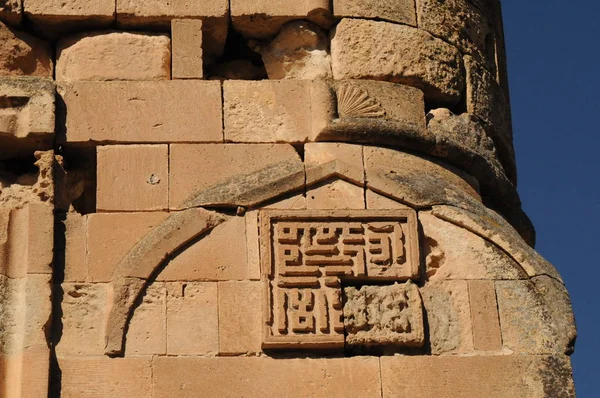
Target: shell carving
(356, 102)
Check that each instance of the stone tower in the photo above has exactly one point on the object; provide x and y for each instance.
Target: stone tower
(267, 198)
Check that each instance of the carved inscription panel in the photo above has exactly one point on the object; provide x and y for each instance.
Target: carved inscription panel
(307, 255)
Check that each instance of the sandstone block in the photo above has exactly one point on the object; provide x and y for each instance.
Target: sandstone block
(226, 174)
(255, 377)
(76, 249)
(364, 99)
(25, 374)
(147, 332)
(54, 12)
(29, 108)
(22, 54)
(335, 194)
(83, 318)
(456, 253)
(403, 55)
(275, 111)
(186, 36)
(449, 317)
(379, 202)
(111, 235)
(114, 56)
(240, 317)
(133, 178)
(11, 12)
(402, 11)
(219, 256)
(484, 316)
(253, 245)
(192, 318)
(327, 160)
(167, 111)
(525, 319)
(106, 377)
(299, 51)
(263, 18)
(290, 201)
(477, 376)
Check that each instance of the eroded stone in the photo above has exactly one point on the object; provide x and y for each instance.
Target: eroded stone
(22, 54)
(402, 11)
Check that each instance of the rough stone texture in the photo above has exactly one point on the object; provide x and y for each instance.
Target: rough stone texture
(28, 108)
(240, 318)
(263, 18)
(58, 12)
(449, 316)
(477, 376)
(83, 317)
(384, 315)
(167, 111)
(456, 253)
(206, 260)
(484, 316)
(76, 249)
(132, 178)
(186, 37)
(192, 318)
(22, 54)
(18, 192)
(110, 55)
(376, 201)
(299, 51)
(404, 55)
(249, 170)
(91, 377)
(526, 322)
(10, 11)
(147, 333)
(110, 236)
(253, 377)
(557, 301)
(402, 11)
(275, 111)
(326, 160)
(335, 194)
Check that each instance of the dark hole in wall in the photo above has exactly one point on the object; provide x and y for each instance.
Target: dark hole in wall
(76, 184)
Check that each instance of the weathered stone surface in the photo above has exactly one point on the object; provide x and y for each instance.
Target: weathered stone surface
(83, 317)
(167, 111)
(460, 23)
(358, 99)
(489, 225)
(384, 315)
(186, 37)
(110, 55)
(376, 201)
(457, 253)
(11, 11)
(402, 11)
(76, 249)
(232, 175)
(404, 55)
(91, 377)
(299, 51)
(28, 108)
(486, 100)
(484, 316)
(192, 318)
(240, 318)
(147, 332)
(253, 377)
(132, 178)
(525, 319)
(335, 194)
(262, 19)
(558, 303)
(206, 260)
(22, 54)
(25, 374)
(477, 376)
(449, 317)
(110, 236)
(275, 111)
(327, 160)
(56, 12)
(16, 192)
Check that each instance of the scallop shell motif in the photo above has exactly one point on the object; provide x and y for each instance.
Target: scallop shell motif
(356, 102)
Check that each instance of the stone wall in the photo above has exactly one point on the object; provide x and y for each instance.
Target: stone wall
(267, 198)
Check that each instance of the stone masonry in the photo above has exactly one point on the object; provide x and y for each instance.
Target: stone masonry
(237, 198)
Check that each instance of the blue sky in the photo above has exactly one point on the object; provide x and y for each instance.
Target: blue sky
(554, 71)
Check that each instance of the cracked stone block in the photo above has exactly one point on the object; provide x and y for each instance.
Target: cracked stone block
(400, 11)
